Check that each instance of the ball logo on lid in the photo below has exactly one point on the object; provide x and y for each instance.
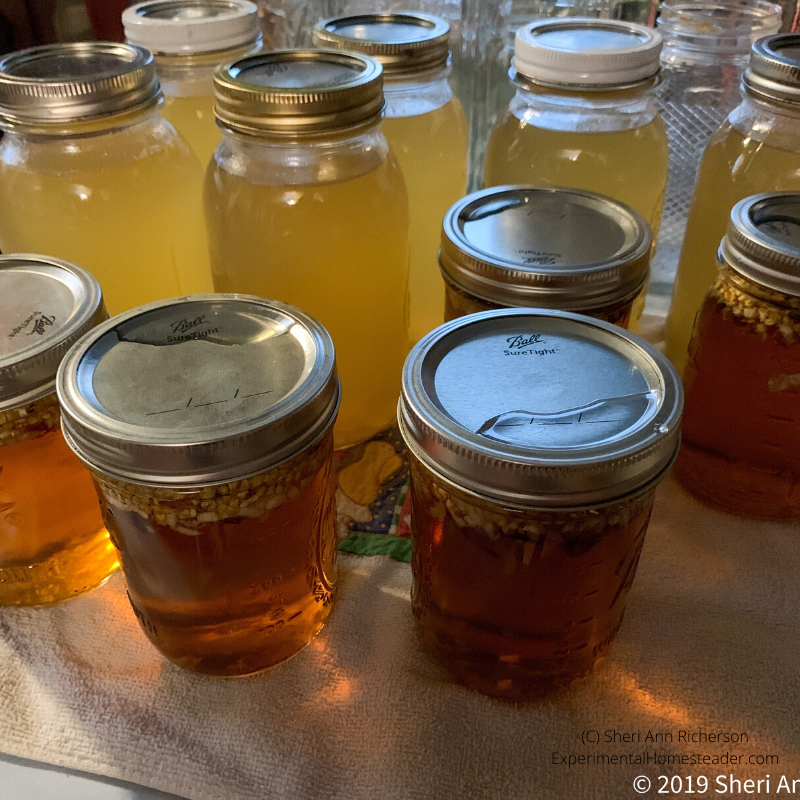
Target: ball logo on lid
(38, 323)
(525, 345)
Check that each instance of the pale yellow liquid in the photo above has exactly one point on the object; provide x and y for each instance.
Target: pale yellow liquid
(124, 205)
(338, 251)
(734, 166)
(627, 165)
(193, 118)
(432, 152)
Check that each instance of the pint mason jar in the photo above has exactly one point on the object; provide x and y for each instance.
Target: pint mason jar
(537, 439)
(189, 40)
(426, 128)
(757, 149)
(305, 203)
(520, 246)
(741, 430)
(584, 115)
(215, 483)
(89, 171)
(53, 545)
(706, 48)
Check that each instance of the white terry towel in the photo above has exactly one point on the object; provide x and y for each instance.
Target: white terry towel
(710, 642)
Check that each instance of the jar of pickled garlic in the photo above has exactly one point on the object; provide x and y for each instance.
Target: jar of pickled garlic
(520, 246)
(584, 114)
(50, 549)
(206, 422)
(89, 171)
(190, 39)
(757, 149)
(426, 128)
(306, 203)
(741, 430)
(537, 439)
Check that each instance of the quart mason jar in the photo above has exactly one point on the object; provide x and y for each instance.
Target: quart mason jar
(190, 39)
(584, 115)
(520, 246)
(53, 545)
(305, 203)
(426, 128)
(741, 430)
(757, 149)
(89, 172)
(706, 48)
(215, 483)
(537, 439)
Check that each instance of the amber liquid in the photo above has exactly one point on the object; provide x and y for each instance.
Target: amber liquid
(240, 596)
(741, 427)
(518, 617)
(53, 545)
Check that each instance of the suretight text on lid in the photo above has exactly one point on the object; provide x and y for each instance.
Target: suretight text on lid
(46, 305)
(198, 390)
(534, 407)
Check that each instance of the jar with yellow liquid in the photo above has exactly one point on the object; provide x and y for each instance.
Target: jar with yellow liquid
(190, 39)
(426, 128)
(91, 173)
(53, 545)
(306, 204)
(584, 115)
(757, 149)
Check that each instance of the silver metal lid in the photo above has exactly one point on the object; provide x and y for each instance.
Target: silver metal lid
(551, 247)
(774, 71)
(198, 390)
(46, 305)
(189, 27)
(293, 92)
(57, 87)
(763, 240)
(540, 408)
(404, 43)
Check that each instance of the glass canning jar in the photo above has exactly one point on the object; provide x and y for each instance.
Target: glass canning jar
(519, 246)
(741, 430)
(706, 48)
(537, 439)
(89, 172)
(306, 203)
(215, 483)
(757, 149)
(426, 128)
(50, 550)
(190, 39)
(584, 115)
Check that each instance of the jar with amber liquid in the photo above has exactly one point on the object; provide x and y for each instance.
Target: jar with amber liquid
(537, 439)
(426, 128)
(53, 545)
(305, 203)
(90, 172)
(190, 39)
(757, 149)
(741, 429)
(206, 422)
(584, 114)
(521, 246)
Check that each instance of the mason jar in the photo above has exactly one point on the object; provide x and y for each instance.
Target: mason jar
(305, 203)
(741, 429)
(206, 422)
(537, 439)
(190, 39)
(426, 128)
(53, 545)
(706, 48)
(89, 172)
(520, 246)
(584, 115)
